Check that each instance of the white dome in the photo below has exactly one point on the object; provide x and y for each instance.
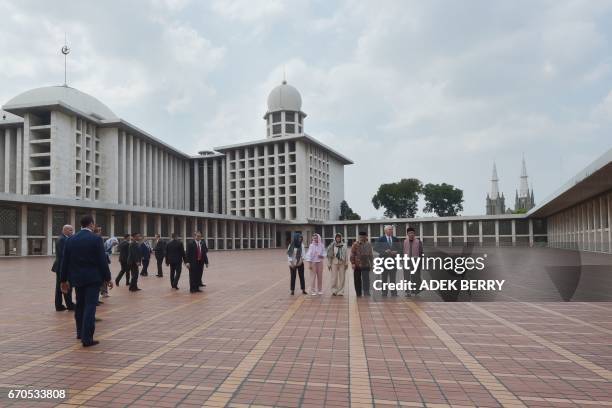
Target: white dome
(50, 95)
(284, 97)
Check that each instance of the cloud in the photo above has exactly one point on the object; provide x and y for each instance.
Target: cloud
(248, 10)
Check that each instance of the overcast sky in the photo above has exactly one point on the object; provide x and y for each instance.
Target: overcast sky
(435, 90)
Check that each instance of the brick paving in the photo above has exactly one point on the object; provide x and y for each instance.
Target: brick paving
(246, 342)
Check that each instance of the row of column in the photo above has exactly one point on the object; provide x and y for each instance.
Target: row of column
(150, 176)
(585, 226)
(10, 160)
(446, 239)
(219, 230)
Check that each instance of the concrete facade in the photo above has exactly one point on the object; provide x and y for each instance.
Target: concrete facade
(68, 155)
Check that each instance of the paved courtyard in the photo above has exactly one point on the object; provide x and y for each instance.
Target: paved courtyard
(246, 342)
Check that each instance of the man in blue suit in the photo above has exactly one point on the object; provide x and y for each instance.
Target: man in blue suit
(85, 267)
(388, 246)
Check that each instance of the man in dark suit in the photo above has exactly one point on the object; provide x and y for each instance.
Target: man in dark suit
(196, 259)
(134, 260)
(67, 232)
(388, 246)
(160, 252)
(175, 256)
(84, 266)
(123, 248)
(145, 250)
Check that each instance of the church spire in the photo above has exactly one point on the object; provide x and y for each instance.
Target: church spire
(494, 184)
(524, 185)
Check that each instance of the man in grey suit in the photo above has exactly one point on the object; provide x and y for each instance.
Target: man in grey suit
(388, 246)
(67, 232)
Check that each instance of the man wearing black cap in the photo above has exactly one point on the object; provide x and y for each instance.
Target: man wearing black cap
(413, 248)
(362, 259)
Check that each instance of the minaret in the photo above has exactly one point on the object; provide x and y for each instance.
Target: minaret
(495, 203)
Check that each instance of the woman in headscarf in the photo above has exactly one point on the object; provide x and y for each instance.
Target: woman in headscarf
(337, 263)
(295, 255)
(316, 257)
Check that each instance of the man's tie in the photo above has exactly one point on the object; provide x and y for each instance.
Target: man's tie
(199, 252)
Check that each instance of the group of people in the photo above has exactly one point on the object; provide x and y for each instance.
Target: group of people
(82, 263)
(360, 256)
(135, 255)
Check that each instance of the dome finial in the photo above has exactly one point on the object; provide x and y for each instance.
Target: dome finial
(284, 75)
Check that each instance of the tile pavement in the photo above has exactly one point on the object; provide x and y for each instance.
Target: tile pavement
(246, 342)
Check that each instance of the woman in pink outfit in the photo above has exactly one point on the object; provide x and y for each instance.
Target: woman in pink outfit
(315, 257)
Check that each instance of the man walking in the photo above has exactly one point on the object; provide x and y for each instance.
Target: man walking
(123, 248)
(145, 250)
(196, 259)
(388, 246)
(175, 256)
(67, 232)
(160, 252)
(85, 268)
(134, 260)
(413, 247)
(362, 259)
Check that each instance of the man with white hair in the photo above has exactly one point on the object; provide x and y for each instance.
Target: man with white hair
(388, 246)
(67, 232)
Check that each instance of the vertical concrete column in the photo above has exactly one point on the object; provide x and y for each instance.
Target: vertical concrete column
(171, 229)
(7, 161)
(154, 176)
(256, 225)
(223, 186)
(215, 186)
(137, 176)
(585, 227)
(420, 231)
(184, 228)
(196, 186)
(145, 227)
(111, 223)
(73, 220)
(513, 232)
(530, 232)
(19, 170)
(206, 187)
(128, 223)
(602, 203)
(158, 226)
(49, 231)
(464, 232)
(609, 211)
(130, 164)
(496, 232)
(435, 230)
(23, 230)
(480, 238)
(123, 164)
(172, 182)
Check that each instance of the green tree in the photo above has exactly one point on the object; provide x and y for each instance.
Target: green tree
(442, 199)
(398, 199)
(347, 213)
